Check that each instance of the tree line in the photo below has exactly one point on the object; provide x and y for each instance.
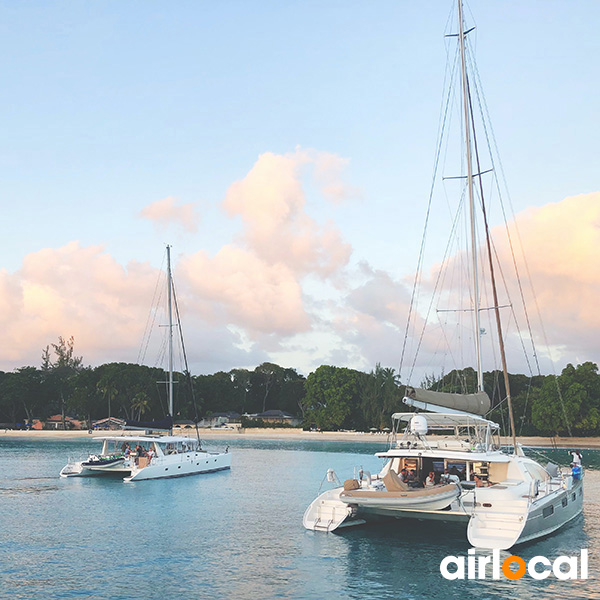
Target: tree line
(330, 398)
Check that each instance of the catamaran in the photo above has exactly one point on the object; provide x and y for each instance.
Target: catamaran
(445, 462)
(148, 455)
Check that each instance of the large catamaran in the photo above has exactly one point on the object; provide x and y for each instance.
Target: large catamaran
(154, 453)
(460, 475)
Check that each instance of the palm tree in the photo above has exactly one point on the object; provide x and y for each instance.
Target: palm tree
(108, 389)
(141, 403)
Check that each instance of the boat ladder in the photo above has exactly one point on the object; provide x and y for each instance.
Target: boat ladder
(497, 528)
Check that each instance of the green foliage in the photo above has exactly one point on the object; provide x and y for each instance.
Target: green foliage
(380, 397)
(330, 398)
(573, 398)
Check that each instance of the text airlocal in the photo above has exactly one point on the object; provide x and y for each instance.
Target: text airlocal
(538, 567)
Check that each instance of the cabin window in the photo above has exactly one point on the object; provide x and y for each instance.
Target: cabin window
(549, 510)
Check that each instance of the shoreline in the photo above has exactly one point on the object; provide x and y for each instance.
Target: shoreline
(297, 435)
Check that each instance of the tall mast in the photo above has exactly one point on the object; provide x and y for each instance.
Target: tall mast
(465, 97)
(169, 295)
(469, 111)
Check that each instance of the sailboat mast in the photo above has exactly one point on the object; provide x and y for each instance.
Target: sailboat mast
(465, 97)
(170, 303)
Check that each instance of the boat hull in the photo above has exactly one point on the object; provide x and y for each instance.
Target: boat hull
(540, 518)
(180, 465)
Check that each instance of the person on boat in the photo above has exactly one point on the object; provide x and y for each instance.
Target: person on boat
(413, 479)
(430, 481)
(576, 458)
(404, 475)
(150, 454)
(127, 450)
(479, 482)
(448, 477)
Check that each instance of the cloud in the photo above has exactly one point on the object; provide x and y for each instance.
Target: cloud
(257, 283)
(272, 205)
(247, 300)
(560, 244)
(165, 212)
(556, 255)
(252, 294)
(72, 291)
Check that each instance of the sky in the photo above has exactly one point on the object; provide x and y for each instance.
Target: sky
(285, 150)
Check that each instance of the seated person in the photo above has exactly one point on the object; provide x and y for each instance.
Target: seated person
(430, 481)
(413, 480)
(404, 477)
(479, 482)
(448, 477)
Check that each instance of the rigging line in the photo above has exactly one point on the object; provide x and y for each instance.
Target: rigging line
(151, 317)
(441, 130)
(187, 369)
(437, 282)
(526, 404)
(491, 140)
(449, 347)
(514, 314)
(493, 279)
(485, 123)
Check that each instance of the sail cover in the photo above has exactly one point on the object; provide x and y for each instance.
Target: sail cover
(476, 404)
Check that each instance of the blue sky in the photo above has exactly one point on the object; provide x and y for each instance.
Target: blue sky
(109, 107)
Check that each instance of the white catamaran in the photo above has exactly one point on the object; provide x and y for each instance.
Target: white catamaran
(147, 456)
(460, 475)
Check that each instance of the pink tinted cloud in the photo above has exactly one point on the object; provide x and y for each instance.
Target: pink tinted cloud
(556, 248)
(254, 283)
(271, 202)
(257, 296)
(166, 212)
(560, 244)
(73, 291)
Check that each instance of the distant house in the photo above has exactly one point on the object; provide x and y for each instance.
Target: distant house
(55, 422)
(276, 416)
(219, 419)
(110, 423)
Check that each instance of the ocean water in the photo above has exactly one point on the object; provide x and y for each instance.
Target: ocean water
(238, 534)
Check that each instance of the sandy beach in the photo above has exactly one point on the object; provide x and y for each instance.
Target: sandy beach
(296, 434)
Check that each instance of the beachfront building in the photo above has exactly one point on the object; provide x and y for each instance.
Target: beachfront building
(57, 422)
(109, 424)
(219, 419)
(276, 416)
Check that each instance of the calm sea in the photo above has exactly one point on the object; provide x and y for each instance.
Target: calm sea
(238, 534)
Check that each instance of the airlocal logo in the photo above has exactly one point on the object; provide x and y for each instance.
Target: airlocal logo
(539, 567)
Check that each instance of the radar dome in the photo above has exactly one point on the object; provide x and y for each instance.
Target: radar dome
(418, 425)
